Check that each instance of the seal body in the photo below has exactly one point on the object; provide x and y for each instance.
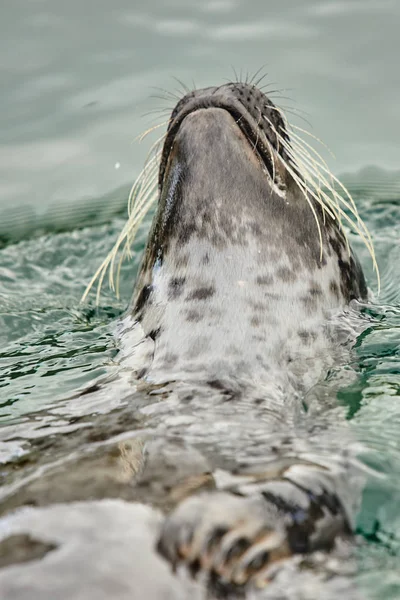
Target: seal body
(242, 273)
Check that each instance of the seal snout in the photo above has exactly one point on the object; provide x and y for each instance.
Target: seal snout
(255, 115)
(214, 131)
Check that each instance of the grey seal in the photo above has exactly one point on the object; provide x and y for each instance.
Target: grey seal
(243, 269)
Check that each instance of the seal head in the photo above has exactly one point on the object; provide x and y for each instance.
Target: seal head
(242, 264)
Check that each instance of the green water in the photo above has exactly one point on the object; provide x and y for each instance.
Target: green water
(76, 79)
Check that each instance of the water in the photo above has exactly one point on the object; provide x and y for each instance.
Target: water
(76, 80)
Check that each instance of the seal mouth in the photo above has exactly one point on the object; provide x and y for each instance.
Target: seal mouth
(258, 118)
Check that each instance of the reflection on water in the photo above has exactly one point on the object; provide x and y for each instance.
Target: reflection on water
(65, 113)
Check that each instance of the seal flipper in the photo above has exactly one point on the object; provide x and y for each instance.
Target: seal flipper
(235, 535)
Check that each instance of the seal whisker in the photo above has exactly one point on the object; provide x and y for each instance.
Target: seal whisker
(164, 99)
(218, 88)
(272, 159)
(167, 93)
(290, 108)
(301, 143)
(143, 207)
(258, 129)
(144, 193)
(157, 111)
(333, 203)
(141, 136)
(288, 125)
(294, 158)
(314, 137)
(359, 226)
(322, 165)
(235, 74)
(298, 145)
(277, 91)
(318, 186)
(259, 70)
(151, 163)
(274, 92)
(304, 189)
(298, 113)
(315, 188)
(312, 162)
(303, 180)
(141, 197)
(128, 234)
(185, 88)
